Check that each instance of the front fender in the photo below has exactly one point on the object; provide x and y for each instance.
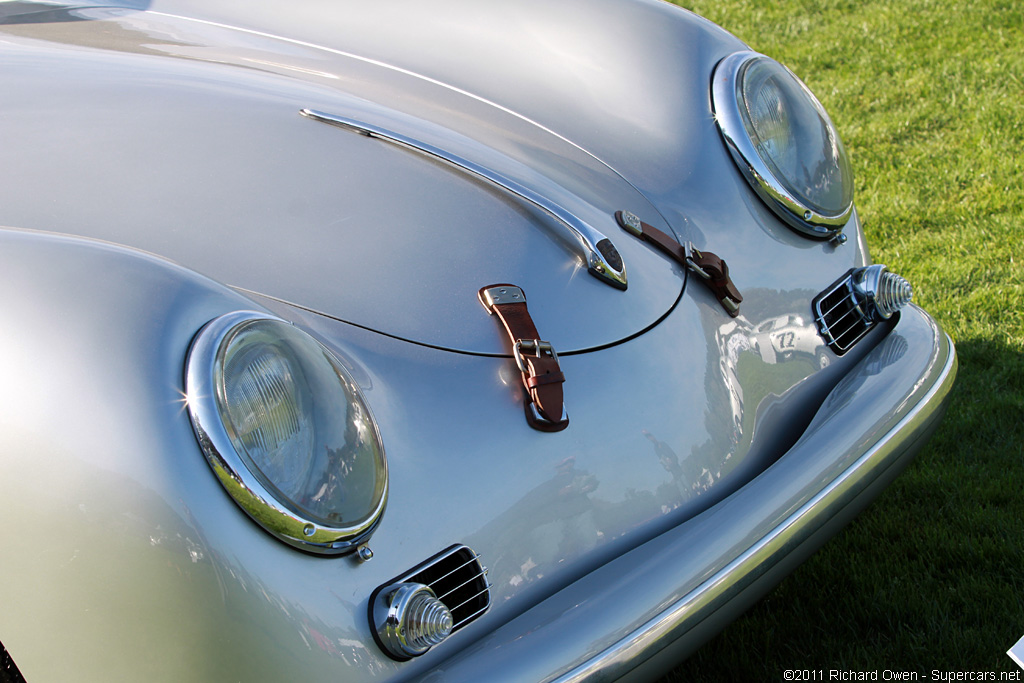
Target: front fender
(100, 474)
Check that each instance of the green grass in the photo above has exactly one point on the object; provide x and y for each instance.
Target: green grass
(929, 100)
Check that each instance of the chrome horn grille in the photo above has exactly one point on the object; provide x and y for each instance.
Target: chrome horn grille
(455, 578)
(459, 581)
(853, 304)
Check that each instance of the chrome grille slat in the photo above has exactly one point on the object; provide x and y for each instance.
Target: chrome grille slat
(475, 558)
(464, 602)
(476, 614)
(856, 332)
(461, 585)
(839, 303)
(836, 322)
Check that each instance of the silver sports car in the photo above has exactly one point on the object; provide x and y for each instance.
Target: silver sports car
(419, 340)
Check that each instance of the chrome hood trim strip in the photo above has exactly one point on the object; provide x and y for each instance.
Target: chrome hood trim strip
(397, 69)
(593, 247)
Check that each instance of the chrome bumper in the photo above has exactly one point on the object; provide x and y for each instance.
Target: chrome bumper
(659, 602)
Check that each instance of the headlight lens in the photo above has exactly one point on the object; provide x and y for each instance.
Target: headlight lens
(784, 142)
(287, 431)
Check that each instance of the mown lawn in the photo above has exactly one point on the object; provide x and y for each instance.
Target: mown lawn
(929, 99)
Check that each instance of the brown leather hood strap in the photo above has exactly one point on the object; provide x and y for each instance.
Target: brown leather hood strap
(650, 234)
(537, 360)
(709, 267)
(715, 274)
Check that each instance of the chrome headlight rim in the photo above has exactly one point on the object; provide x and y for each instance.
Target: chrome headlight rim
(727, 103)
(262, 502)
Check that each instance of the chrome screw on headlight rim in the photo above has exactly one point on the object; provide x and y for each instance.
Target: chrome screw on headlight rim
(784, 143)
(287, 431)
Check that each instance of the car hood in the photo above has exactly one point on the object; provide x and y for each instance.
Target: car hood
(186, 140)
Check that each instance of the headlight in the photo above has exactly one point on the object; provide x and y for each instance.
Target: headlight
(784, 143)
(286, 429)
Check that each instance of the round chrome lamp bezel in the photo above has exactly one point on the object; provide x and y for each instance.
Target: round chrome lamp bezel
(267, 506)
(882, 291)
(409, 619)
(726, 103)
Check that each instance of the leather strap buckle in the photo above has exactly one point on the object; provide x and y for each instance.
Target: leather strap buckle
(714, 272)
(536, 359)
(710, 268)
(534, 347)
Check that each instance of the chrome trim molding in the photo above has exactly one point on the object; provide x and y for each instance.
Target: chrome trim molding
(597, 251)
(644, 609)
(740, 574)
(725, 104)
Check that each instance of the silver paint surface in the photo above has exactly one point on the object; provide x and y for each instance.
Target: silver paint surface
(175, 130)
(205, 159)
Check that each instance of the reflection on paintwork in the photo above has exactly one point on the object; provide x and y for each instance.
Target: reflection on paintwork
(293, 623)
(755, 366)
(889, 351)
(228, 122)
(134, 516)
(689, 477)
(557, 518)
(787, 335)
(767, 355)
(674, 406)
